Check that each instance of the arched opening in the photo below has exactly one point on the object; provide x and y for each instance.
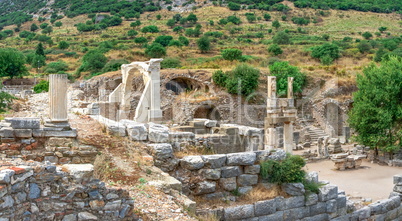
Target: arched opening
(208, 112)
(334, 117)
(179, 85)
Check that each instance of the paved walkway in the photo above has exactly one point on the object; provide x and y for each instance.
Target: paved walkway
(369, 181)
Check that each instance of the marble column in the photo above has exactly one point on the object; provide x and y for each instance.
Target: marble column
(288, 137)
(58, 97)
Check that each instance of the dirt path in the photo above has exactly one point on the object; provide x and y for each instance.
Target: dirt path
(370, 181)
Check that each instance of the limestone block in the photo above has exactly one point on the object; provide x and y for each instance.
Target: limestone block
(294, 189)
(49, 133)
(361, 214)
(205, 187)
(331, 206)
(253, 169)
(243, 159)
(137, 132)
(296, 213)
(6, 132)
(192, 162)
(114, 205)
(244, 189)
(210, 123)
(321, 217)
(247, 180)
(328, 192)
(181, 136)
(23, 133)
(116, 129)
(23, 122)
(163, 151)
(398, 179)
(278, 216)
(266, 207)
(214, 161)
(80, 172)
(158, 133)
(312, 177)
(227, 172)
(239, 212)
(294, 202)
(228, 184)
(86, 216)
(318, 208)
(277, 154)
(211, 174)
(311, 199)
(5, 175)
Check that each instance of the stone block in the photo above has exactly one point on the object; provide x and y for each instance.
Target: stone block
(278, 216)
(210, 123)
(51, 159)
(332, 206)
(320, 217)
(266, 207)
(319, 208)
(116, 129)
(34, 191)
(244, 189)
(70, 217)
(181, 136)
(81, 172)
(24, 122)
(205, 187)
(114, 205)
(137, 131)
(328, 192)
(227, 172)
(211, 174)
(295, 214)
(361, 214)
(158, 133)
(23, 133)
(294, 189)
(163, 151)
(228, 184)
(311, 199)
(253, 169)
(294, 202)
(241, 159)
(53, 133)
(341, 201)
(214, 161)
(86, 216)
(247, 180)
(7, 132)
(239, 212)
(398, 179)
(5, 175)
(192, 162)
(312, 177)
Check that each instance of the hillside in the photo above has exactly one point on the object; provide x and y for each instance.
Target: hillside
(122, 35)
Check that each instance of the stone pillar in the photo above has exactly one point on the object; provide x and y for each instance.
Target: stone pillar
(290, 92)
(58, 98)
(272, 99)
(155, 112)
(288, 137)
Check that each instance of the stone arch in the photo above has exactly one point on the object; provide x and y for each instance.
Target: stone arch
(207, 111)
(182, 84)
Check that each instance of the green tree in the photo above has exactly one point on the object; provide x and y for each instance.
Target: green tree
(34, 27)
(275, 49)
(379, 54)
(251, 18)
(243, 79)
(44, 25)
(376, 115)
(234, 6)
(367, 35)
(158, 17)
(170, 23)
(204, 44)
(39, 50)
(163, 40)
(267, 17)
(327, 53)
(281, 38)
(282, 70)
(178, 29)
(192, 18)
(150, 29)
(41, 86)
(382, 29)
(63, 45)
(140, 40)
(135, 24)
(93, 61)
(132, 33)
(231, 54)
(184, 40)
(364, 46)
(276, 24)
(58, 24)
(155, 50)
(12, 63)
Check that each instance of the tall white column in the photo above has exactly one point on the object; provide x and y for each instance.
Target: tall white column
(155, 112)
(58, 97)
(288, 137)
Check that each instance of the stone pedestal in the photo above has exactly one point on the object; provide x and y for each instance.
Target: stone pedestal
(58, 98)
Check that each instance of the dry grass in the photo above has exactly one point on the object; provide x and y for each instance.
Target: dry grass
(192, 151)
(208, 217)
(260, 192)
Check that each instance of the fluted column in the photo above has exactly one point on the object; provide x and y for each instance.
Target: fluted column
(58, 97)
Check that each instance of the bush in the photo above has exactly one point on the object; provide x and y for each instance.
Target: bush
(231, 54)
(164, 40)
(367, 35)
(281, 38)
(282, 70)
(243, 79)
(267, 17)
(93, 61)
(170, 63)
(155, 50)
(275, 49)
(184, 40)
(41, 86)
(176, 43)
(55, 67)
(327, 53)
(288, 170)
(114, 65)
(140, 40)
(364, 46)
(234, 6)
(132, 33)
(63, 45)
(219, 78)
(150, 29)
(204, 44)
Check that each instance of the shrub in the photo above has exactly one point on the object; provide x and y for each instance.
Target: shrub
(234, 6)
(114, 65)
(275, 49)
(150, 29)
(281, 38)
(235, 20)
(243, 79)
(176, 43)
(55, 67)
(41, 86)
(367, 35)
(184, 40)
(231, 54)
(170, 63)
(282, 70)
(288, 170)
(164, 40)
(219, 78)
(204, 44)
(155, 50)
(326, 53)
(364, 46)
(132, 33)
(140, 40)
(63, 45)
(267, 17)
(93, 61)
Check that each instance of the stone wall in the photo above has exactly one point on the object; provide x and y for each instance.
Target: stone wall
(46, 192)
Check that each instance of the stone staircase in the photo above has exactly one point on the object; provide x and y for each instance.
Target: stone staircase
(315, 133)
